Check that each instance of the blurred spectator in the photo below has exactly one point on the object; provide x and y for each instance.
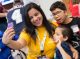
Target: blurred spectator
(17, 4)
(74, 9)
(3, 21)
(5, 52)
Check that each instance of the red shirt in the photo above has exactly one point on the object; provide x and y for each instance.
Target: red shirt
(74, 9)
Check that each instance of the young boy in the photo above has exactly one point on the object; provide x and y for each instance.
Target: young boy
(62, 38)
(59, 11)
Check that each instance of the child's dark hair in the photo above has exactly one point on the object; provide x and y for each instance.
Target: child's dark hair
(66, 32)
(58, 4)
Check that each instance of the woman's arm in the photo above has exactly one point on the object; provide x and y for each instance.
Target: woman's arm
(7, 39)
(20, 43)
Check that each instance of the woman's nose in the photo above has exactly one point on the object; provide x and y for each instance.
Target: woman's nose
(35, 18)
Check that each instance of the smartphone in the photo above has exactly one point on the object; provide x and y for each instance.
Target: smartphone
(10, 24)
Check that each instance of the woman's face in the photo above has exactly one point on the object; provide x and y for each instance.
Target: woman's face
(35, 17)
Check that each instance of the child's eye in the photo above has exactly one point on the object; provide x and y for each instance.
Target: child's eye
(57, 34)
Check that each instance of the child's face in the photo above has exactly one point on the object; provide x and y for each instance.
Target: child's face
(59, 15)
(58, 35)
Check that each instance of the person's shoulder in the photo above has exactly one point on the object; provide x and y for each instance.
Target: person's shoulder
(24, 30)
(78, 18)
(54, 23)
(24, 33)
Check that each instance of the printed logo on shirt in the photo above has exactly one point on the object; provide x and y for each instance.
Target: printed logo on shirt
(75, 28)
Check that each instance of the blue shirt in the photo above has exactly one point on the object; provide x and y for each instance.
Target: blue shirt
(67, 49)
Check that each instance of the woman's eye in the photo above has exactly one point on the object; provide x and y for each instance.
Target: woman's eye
(31, 17)
(36, 14)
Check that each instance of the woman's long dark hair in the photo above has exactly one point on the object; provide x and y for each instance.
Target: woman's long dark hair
(30, 28)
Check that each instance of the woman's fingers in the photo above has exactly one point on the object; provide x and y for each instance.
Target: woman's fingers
(8, 35)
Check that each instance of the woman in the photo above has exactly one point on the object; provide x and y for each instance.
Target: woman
(36, 35)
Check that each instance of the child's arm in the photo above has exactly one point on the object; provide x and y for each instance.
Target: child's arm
(75, 52)
(62, 51)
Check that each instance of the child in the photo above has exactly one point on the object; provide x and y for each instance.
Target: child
(62, 38)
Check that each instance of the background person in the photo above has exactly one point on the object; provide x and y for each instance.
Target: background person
(5, 52)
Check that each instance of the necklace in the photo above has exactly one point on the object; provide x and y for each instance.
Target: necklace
(43, 40)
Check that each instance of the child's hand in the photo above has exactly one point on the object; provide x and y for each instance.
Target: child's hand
(58, 43)
(75, 55)
(55, 39)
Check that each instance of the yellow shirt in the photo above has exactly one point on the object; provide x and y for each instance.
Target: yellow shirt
(34, 49)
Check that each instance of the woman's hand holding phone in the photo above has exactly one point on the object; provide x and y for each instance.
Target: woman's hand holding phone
(10, 25)
(8, 34)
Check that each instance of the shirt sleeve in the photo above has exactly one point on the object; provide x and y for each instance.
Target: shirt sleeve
(54, 23)
(25, 36)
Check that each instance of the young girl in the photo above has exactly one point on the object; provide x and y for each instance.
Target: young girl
(62, 38)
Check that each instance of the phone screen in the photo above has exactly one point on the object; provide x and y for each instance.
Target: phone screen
(10, 24)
